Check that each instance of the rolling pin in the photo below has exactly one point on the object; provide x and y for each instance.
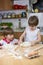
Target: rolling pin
(34, 53)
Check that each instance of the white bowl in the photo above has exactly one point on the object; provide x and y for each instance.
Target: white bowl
(26, 44)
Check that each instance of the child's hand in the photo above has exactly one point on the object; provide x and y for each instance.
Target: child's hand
(1, 46)
(32, 43)
(16, 43)
(19, 42)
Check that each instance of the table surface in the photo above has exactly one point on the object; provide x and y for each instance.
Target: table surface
(10, 60)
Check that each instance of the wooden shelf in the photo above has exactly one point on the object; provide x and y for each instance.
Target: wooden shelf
(5, 5)
(15, 18)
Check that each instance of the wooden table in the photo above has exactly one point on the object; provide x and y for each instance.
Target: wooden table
(10, 60)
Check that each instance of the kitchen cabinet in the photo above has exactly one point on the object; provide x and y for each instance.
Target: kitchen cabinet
(5, 5)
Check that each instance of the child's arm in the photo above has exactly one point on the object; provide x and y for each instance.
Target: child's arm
(21, 37)
(38, 39)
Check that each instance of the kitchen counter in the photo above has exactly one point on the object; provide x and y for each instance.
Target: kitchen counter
(9, 59)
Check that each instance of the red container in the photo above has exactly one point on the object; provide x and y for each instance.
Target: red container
(19, 7)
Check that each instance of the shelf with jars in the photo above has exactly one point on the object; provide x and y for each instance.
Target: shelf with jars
(13, 15)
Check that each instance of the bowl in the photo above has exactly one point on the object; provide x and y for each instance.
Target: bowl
(25, 44)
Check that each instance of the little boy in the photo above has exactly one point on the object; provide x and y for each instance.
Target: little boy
(8, 38)
(31, 33)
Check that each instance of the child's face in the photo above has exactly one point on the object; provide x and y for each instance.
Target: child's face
(32, 27)
(10, 37)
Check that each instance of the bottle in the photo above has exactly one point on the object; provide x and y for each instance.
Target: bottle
(19, 23)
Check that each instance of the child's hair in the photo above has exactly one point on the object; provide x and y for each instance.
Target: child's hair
(8, 33)
(33, 21)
